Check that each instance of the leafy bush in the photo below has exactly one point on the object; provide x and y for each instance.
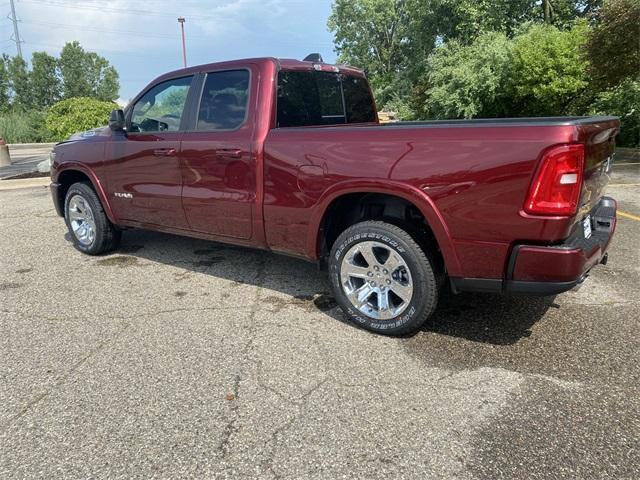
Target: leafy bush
(624, 102)
(24, 127)
(548, 70)
(401, 108)
(466, 81)
(76, 115)
(541, 71)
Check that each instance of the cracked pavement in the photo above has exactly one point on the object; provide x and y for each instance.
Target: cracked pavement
(176, 357)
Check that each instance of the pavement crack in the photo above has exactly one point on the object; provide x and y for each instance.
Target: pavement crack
(273, 440)
(230, 427)
(171, 310)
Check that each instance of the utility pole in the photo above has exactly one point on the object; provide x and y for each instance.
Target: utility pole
(16, 33)
(184, 47)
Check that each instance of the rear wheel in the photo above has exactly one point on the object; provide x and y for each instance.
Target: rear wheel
(90, 229)
(382, 279)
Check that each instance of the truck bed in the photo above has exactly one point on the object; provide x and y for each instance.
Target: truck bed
(474, 174)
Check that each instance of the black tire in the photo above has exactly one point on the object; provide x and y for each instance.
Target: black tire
(422, 277)
(106, 236)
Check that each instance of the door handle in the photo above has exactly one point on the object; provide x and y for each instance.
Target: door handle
(229, 152)
(164, 152)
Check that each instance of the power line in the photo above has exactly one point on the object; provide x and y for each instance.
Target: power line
(164, 13)
(86, 28)
(58, 3)
(140, 34)
(16, 33)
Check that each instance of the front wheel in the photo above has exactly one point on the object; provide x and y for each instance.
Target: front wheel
(90, 229)
(382, 279)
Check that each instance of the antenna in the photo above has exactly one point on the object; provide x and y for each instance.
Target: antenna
(16, 33)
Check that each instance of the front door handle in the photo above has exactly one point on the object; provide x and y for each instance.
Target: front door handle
(229, 152)
(164, 152)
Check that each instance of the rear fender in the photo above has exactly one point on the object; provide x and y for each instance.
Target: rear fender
(389, 187)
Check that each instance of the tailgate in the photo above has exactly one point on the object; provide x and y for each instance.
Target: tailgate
(598, 138)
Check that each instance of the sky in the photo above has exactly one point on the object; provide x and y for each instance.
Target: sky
(142, 39)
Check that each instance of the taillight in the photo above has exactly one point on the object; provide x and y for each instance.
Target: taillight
(556, 187)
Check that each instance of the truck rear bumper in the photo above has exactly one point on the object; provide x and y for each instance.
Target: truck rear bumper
(552, 269)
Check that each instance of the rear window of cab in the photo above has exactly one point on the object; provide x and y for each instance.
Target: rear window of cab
(314, 98)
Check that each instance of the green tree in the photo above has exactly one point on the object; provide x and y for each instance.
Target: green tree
(86, 74)
(102, 77)
(108, 86)
(72, 64)
(466, 81)
(548, 71)
(45, 82)
(539, 72)
(613, 46)
(4, 84)
(77, 114)
(371, 34)
(561, 13)
(20, 82)
(392, 39)
(624, 102)
(466, 19)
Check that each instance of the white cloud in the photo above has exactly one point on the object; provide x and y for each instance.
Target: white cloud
(119, 26)
(143, 39)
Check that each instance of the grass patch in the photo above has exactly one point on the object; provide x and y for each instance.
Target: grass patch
(24, 127)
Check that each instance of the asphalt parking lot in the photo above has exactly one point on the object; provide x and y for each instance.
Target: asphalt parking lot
(177, 357)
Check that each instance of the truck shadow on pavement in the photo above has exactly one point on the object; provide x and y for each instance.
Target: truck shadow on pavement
(485, 318)
(488, 318)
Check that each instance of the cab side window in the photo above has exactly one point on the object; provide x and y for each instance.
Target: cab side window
(311, 98)
(225, 96)
(161, 108)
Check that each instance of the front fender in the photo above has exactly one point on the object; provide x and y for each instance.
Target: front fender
(411, 194)
(93, 178)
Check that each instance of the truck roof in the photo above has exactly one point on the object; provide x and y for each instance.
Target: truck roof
(283, 63)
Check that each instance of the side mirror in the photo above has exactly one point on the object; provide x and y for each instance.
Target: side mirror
(116, 120)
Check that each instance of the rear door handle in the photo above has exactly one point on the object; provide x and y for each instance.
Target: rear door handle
(229, 152)
(164, 152)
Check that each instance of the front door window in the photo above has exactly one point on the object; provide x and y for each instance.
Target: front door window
(161, 108)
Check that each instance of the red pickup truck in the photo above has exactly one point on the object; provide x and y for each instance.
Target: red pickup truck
(289, 156)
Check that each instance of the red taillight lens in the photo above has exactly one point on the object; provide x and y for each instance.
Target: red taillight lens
(556, 187)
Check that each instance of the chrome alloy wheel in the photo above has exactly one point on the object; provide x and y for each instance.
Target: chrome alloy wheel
(81, 220)
(376, 280)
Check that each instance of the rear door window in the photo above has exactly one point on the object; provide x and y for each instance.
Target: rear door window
(357, 100)
(329, 97)
(307, 98)
(225, 96)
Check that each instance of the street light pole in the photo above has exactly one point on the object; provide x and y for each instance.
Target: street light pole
(184, 46)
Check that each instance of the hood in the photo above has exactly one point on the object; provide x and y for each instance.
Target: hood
(89, 134)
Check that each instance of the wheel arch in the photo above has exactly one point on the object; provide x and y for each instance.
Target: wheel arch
(71, 173)
(349, 192)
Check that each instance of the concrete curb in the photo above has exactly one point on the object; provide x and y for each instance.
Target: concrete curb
(627, 155)
(21, 146)
(24, 183)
